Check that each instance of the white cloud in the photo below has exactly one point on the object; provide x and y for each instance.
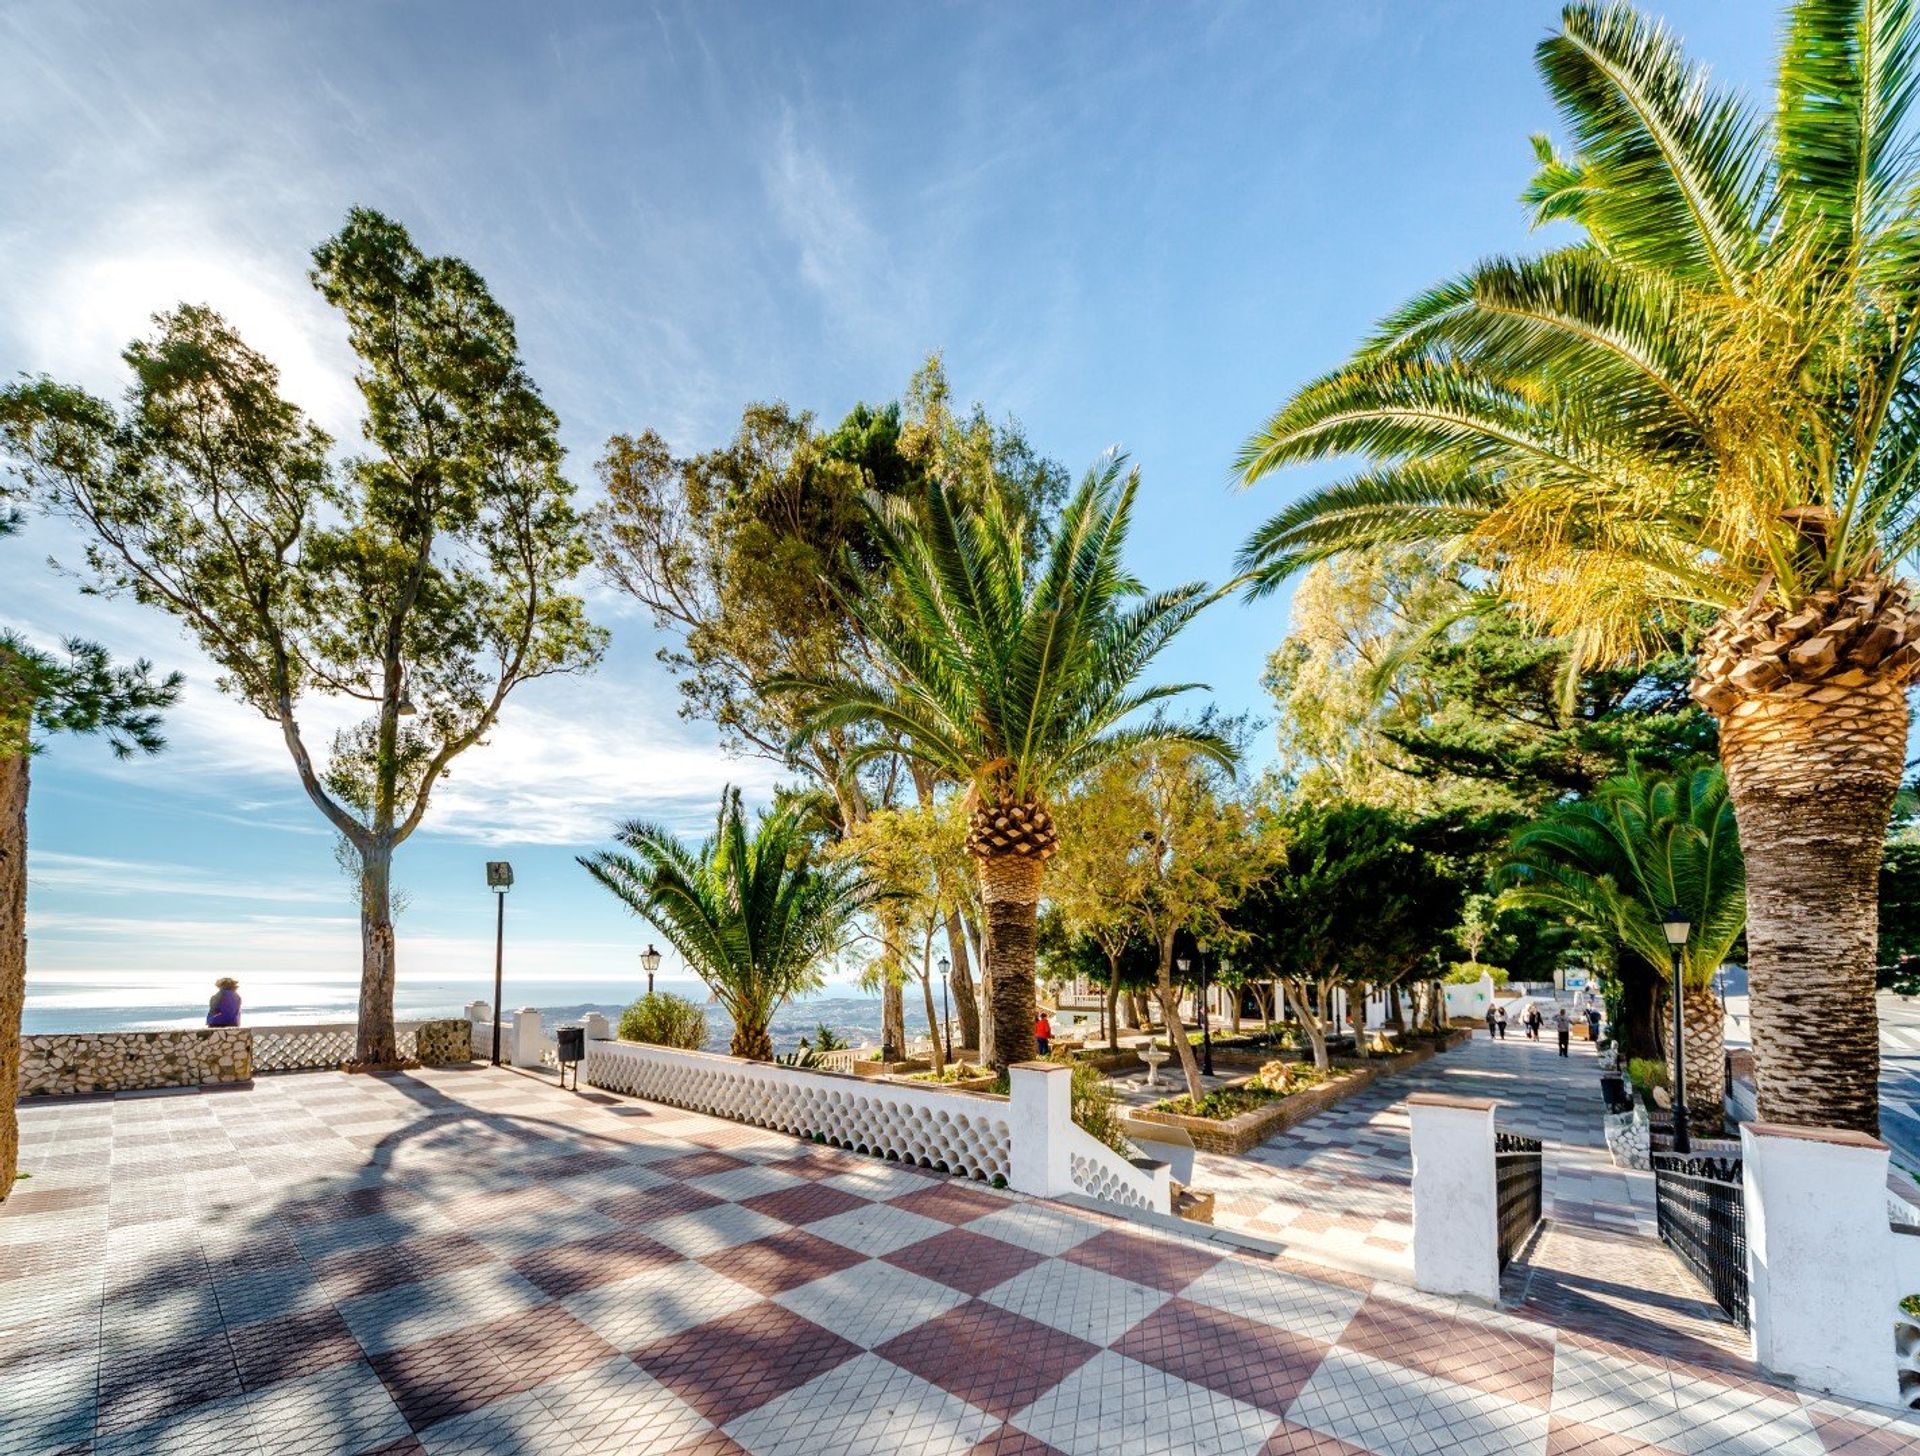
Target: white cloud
(100, 875)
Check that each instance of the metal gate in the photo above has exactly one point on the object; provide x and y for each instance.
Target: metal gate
(1516, 1162)
(1701, 1205)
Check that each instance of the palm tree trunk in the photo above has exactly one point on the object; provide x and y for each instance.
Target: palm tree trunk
(1703, 1028)
(1812, 786)
(750, 1040)
(13, 947)
(376, 1044)
(1010, 890)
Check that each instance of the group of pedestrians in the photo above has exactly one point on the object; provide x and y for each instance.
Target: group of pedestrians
(1533, 1021)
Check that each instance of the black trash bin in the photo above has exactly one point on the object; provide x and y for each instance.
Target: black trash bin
(572, 1042)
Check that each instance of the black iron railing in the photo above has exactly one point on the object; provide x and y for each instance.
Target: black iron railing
(1701, 1207)
(1516, 1162)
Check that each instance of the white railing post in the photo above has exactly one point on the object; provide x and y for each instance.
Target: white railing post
(1820, 1258)
(528, 1039)
(597, 1026)
(1039, 1112)
(1456, 1209)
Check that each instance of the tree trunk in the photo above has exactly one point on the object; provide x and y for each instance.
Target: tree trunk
(1357, 1017)
(1704, 1026)
(1394, 1017)
(1010, 889)
(1310, 1023)
(13, 949)
(1232, 994)
(1142, 1013)
(1176, 1032)
(1637, 1031)
(376, 1044)
(1812, 786)
(750, 1040)
(966, 1009)
(933, 1025)
(1113, 1003)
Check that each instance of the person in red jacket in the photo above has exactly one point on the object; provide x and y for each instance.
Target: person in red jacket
(1042, 1032)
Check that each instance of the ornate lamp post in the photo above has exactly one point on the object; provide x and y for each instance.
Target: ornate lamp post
(943, 966)
(1678, 928)
(650, 960)
(499, 880)
(1206, 1028)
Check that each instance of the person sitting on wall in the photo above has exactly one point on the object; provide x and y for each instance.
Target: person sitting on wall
(223, 1007)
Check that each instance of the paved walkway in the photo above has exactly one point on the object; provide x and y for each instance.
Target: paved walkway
(469, 1261)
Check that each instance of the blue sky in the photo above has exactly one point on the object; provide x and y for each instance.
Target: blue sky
(1127, 225)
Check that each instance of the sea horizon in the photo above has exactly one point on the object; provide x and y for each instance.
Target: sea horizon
(81, 1007)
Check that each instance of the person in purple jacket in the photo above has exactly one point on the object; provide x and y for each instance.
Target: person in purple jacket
(223, 1009)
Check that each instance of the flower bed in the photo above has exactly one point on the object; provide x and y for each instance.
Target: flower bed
(961, 1076)
(1270, 1113)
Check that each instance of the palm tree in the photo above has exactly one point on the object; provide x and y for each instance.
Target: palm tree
(1641, 843)
(750, 910)
(1705, 411)
(1012, 679)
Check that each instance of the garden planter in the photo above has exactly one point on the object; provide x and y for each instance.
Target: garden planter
(889, 1069)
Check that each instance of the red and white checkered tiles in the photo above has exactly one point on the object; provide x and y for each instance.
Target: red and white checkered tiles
(472, 1261)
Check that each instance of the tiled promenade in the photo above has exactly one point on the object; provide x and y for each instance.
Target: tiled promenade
(474, 1261)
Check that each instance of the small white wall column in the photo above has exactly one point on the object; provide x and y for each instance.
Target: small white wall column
(598, 1028)
(1039, 1112)
(1820, 1261)
(528, 1038)
(1456, 1213)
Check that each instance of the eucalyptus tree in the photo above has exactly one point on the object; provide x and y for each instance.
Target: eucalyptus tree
(1011, 675)
(417, 583)
(1707, 408)
(1641, 843)
(755, 911)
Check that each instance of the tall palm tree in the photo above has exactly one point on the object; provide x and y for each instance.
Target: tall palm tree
(1705, 411)
(1012, 679)
(752, 911)
(1618, 859)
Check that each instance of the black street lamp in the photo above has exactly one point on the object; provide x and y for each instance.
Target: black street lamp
(650, 960)
(1678, 928)
(1206, 1026)
(944, 966)
(499, 880)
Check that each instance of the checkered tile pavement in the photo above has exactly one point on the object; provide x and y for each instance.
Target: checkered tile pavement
(473, 1261)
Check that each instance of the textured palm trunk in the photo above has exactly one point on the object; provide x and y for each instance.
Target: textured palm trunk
(1703, 1027)
(1010, 890)
(1812, 785)
(375, 1044)
(13, 953)
(750, 1040)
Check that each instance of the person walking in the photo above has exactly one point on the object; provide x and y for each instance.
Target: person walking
(1500, 1021)
(223, 1007)
(1042, 1033)
(1593, 1024)
(1533, 1023)
(1489, 1023)
(1563, 1028)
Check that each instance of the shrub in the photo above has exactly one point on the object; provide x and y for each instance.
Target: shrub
(826, 1039)
(1284, 1077)
(1095, 1108)
(1646, 1073)
(1466, 973)
(664, 1019)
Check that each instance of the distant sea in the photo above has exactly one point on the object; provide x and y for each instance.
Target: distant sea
(75, 1007)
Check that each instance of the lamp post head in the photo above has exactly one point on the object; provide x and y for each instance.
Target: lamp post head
(650, 958)
(1183, 963)
(499, 876)
(1676, 925)
(943, 965)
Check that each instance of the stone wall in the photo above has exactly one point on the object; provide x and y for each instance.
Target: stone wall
(118, 1061)
(442, 1043)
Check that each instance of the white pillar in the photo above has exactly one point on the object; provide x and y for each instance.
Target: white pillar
(1820, 1258)
(527, 1037)
(479, 1011)
(1039, 1111)
(597, 1026)
(1456, 1212)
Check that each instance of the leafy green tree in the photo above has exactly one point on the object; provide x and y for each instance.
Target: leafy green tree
(1643, 842)
(423, 579)
(753, 911)
(1705, 407)
(1012, 680)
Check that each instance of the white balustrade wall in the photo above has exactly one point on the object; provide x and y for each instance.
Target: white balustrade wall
(313, 1048)
(962, 1132)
